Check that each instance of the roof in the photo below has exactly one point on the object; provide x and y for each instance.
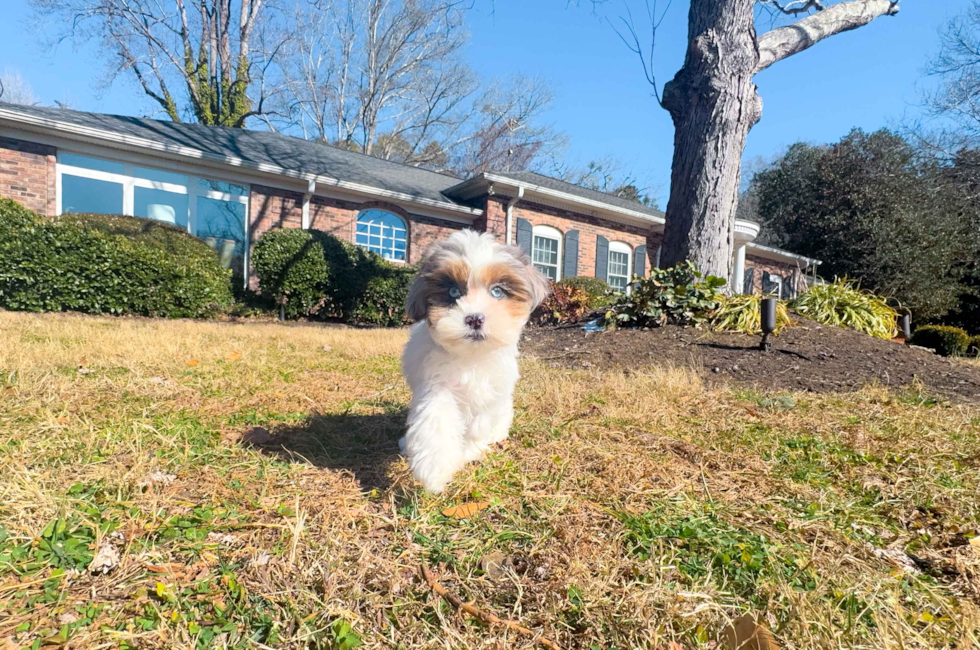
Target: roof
(261, 148)
(577, 190)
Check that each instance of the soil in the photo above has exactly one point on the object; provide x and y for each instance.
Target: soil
(807, 357)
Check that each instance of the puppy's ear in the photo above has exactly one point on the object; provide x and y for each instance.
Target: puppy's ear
(417, 304)
(538, 285)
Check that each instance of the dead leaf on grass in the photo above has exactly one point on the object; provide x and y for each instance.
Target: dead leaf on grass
(975, 541)
(234, 356)
(156, 478)
(192, 362)
(745, 634)
(465, 510)
(61, 420)
(106, 559)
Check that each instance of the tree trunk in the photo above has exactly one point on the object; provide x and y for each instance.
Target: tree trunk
(713, 103)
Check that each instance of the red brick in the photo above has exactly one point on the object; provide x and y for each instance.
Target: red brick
(27, 174)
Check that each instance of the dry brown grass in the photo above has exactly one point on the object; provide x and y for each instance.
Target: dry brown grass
(629, 510)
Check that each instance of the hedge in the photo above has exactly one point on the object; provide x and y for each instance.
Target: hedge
(599, 291)
(82, 263)
(352, 284)
(292, 271)
(945, 340)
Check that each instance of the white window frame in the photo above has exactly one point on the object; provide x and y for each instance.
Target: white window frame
(621, 247)
(408, 234)
(548, 232)
(778, 281)
(130, 182)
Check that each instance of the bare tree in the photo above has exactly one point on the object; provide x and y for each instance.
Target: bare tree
(384, 77)
(714, 102)
(194, 58)
(14, 89)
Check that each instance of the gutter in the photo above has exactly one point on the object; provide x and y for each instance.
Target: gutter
(140, 145)
(510, 208)
(785, 256)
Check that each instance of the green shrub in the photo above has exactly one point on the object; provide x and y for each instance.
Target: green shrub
(600, 295)
(844, 304)
(566, 303)
(743, 313)
(945, 340)
(292, 269)
(64, 264)
(680, 295)
(383, 299)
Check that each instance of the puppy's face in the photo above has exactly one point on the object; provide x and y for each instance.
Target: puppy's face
(475, 294)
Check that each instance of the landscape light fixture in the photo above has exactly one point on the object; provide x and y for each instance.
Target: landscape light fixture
(767, 312)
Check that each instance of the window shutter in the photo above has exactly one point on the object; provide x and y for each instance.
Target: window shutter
(748, 282)
(602, 258)
(525, 234)
(788, 287)
(570, 269)
(640, 261)
(767, 283)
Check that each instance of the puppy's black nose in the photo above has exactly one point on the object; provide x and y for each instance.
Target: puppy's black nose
(475, 321)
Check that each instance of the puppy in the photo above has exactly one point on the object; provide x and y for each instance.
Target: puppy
(470, 301)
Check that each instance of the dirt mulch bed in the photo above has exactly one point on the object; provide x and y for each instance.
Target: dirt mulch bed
(808, 356)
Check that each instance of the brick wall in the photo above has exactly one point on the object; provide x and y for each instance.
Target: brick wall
(27, 174)
(275, 208)
(589, 228)
(783, 270)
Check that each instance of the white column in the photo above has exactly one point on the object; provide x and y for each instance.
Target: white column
(738, 282)
(310, 189)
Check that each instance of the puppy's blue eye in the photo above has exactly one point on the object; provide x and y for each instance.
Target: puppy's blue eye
(455, 293)
(497, 292)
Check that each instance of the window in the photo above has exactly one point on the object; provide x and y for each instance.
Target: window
(618, 272)
(546, 251)
(383, 233)
(216, 211)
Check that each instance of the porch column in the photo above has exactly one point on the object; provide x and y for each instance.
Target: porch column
(738, 281)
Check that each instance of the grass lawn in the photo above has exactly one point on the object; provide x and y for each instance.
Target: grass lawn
(627, 510)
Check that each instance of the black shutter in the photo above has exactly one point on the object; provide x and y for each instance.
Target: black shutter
(602, 258)
(767, 283)
(789, 289)
(748, 283)
(525, 235)
(570, 269)
(640, 261)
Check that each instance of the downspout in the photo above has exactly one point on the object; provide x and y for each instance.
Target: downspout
(310, 189)
(510, 215)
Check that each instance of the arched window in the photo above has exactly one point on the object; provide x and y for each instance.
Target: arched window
(546, 251)
(618, 273)
(383, 233)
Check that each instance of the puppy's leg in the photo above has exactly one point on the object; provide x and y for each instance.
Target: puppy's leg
(488, 427)
(434, 440)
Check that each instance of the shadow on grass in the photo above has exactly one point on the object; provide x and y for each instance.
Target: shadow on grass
(364, 445)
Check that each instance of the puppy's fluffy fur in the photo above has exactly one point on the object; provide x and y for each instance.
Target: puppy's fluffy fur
(470, 301)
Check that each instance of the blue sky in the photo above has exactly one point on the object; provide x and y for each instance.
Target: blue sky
(866, 78)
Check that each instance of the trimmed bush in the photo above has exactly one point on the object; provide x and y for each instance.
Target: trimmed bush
(945, 340)
(844, 304)
(566, 303)
(66, 264)
(292, 270)
(383, 300)
(599, 292)
(679, 295)
(743, 313)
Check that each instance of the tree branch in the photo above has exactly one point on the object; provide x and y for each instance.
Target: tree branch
(790, 10)
(792, 39)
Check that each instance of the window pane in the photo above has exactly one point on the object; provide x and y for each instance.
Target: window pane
(160, 206)
(221, 186)
(383, 233)
(160, 176)
(222, 225)
(88, 162)
(545, 250)
(618, 282)
(618, 263)
(89, 195)
(549, 271)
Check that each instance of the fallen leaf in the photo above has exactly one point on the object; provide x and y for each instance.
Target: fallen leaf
(975, 542)
(495, 565)
(67, 618)
(234, 356)
(279, 395)
(465, 510)
(156, 478)
(61, 420)
(106, 559)
(745, 634)
(192, 362)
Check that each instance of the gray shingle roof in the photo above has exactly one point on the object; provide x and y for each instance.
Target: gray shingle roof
(578, 190)
(264, 147)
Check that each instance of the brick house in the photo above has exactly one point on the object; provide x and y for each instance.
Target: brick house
(229, 186)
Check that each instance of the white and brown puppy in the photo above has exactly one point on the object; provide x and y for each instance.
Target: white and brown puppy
(470, 301)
